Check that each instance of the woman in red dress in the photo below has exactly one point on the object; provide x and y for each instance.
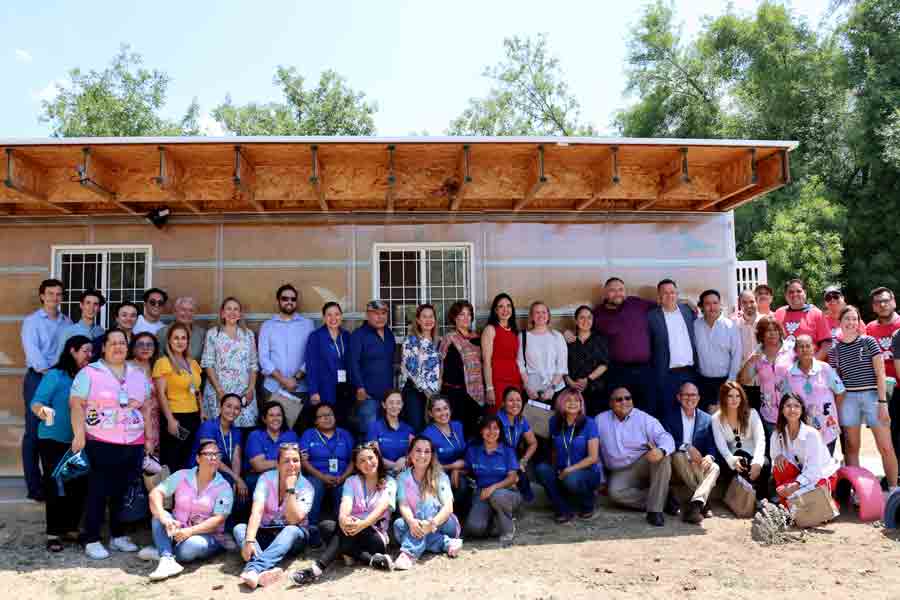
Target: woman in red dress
(499, 346)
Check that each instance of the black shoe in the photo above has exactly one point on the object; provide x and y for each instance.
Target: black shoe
(304, 577)
(656, 519)
(693, 513)
(382, 562)
(706, 511)
(672, 507)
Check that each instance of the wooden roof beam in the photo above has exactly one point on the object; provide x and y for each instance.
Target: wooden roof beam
(536, 180)
(97, 177)
(671, 182)
(606, 179)
(170, 178)
(316, 178)
(23, 177)
(735, 177)
(773, 173)
(465, 179)
(244, 178)
(391, 181)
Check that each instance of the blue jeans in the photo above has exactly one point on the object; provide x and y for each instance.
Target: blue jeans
(435, 542)
(196, 547)
(30, 460)
(413, 407)
(315, 511)
(580, 486)
(292, 538)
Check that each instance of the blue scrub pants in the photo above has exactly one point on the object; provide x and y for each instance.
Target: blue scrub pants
(334, 493)
(578, 486)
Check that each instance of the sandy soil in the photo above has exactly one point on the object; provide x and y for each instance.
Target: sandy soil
(616, 555)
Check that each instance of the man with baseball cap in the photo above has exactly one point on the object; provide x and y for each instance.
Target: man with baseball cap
(371, 364)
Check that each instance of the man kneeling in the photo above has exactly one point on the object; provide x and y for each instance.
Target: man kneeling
(694, 462)
(637, 450)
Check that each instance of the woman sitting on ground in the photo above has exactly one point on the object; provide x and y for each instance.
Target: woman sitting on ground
(195, 529)
(425, 503)
(278, 519)
(799, 456)
(518, 435)
(740, 438)
(391, 434)
(367, 501)
(495, 468)
(574, 471)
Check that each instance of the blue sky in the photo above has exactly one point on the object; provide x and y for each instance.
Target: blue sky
(420, 61)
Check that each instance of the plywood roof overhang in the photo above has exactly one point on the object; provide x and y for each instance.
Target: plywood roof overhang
(428, 175)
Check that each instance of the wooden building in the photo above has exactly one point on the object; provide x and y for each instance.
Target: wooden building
(348, 219)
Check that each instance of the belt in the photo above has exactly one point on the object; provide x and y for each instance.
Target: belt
(687, 369)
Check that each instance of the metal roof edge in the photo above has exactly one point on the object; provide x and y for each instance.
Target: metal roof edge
(233, 140)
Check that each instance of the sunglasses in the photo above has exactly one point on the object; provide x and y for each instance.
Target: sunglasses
(737, 439)
(288, 298)
(366, 446)
(156, 302)
(622, 399)
(831, 297)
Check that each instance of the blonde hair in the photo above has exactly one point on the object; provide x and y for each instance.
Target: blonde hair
(220, 322)
(531, 308)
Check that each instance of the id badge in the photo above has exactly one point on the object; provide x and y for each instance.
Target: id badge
(123, 398)
(332, 465)
(342, 376)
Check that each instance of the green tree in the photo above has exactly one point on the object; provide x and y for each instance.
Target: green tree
(530, 96)
(331, 108)
(122, 100)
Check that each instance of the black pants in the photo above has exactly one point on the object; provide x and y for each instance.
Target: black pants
(360, 546)
(760, 484)
(464, 409)
(754, 396)
(894, 411)
(63, 513)
(174, 452)
(113, 468)
(709, 390)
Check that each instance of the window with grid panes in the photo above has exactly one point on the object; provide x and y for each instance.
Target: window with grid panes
(121, 273)
(407, 275)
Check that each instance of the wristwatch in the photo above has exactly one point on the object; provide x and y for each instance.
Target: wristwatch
(290, 491)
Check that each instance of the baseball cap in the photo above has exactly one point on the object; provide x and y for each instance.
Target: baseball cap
(376, 305)
(833, 289)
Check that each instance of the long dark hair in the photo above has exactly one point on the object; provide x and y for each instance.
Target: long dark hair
(133, 345)
(781, 422)
(382, 468)
(494, 320)
(66, 362)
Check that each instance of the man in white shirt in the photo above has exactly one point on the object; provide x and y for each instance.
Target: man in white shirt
(694, 459)
(154, 302)
(674, 357)
(718, 349)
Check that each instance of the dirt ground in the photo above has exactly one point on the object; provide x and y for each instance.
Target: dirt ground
(616, 555)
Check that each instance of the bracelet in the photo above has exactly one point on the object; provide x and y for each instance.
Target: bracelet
(882, 402)
(489, 388)
(249, 542)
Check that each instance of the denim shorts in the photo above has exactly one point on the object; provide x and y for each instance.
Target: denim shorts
(860, 407)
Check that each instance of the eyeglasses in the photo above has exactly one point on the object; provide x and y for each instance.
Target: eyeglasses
(288, 298)
(212, 455)
(152, 302)
(882, 300)
(622, 399)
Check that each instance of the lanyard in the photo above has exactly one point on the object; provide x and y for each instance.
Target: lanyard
(121, 380)
(229, 445)
(567, 445)
(512, 432)
(452, 435)
(338, 349)
(332, 452)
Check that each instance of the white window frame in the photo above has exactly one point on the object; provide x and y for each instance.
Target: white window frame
(380, 247)
(56, 252)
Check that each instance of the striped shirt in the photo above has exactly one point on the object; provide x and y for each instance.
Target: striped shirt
(853, 362)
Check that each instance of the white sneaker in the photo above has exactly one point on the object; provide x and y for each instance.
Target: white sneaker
(166, 568)
(250, 579)
(404, 562)
(148, 553)
(123, 544)
(96, 551)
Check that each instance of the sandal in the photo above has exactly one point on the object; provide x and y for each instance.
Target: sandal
(54, 545)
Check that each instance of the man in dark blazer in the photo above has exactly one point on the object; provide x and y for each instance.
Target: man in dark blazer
(694, 460)
(674, 350)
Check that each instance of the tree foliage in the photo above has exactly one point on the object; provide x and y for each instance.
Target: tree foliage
(530, 96)
(122, 100)
(330, 108)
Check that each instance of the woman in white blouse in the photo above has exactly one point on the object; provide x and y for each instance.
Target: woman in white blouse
(800, 458)
(543, 357)
(740, 438)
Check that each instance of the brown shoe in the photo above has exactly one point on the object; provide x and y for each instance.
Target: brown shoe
(693, 513)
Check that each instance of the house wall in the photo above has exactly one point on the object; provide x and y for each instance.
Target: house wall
(563, 263)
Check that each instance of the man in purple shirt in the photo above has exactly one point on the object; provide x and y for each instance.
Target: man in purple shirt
(637, 451)
(623, 320)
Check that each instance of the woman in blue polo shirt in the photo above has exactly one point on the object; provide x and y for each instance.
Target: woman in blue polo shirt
(517, 435)
(450, 445)
(495, 468)
(262, 444)
(574, 471)
(390, 433)
(327, 450)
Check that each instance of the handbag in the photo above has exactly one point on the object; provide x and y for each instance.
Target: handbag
(741, 497)
(812, 508)
(72, 466)
(135, 505)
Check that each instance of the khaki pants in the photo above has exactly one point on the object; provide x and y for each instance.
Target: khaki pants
(642, 485)
(700, 479)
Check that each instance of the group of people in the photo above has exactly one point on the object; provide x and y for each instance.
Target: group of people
(303, 439)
